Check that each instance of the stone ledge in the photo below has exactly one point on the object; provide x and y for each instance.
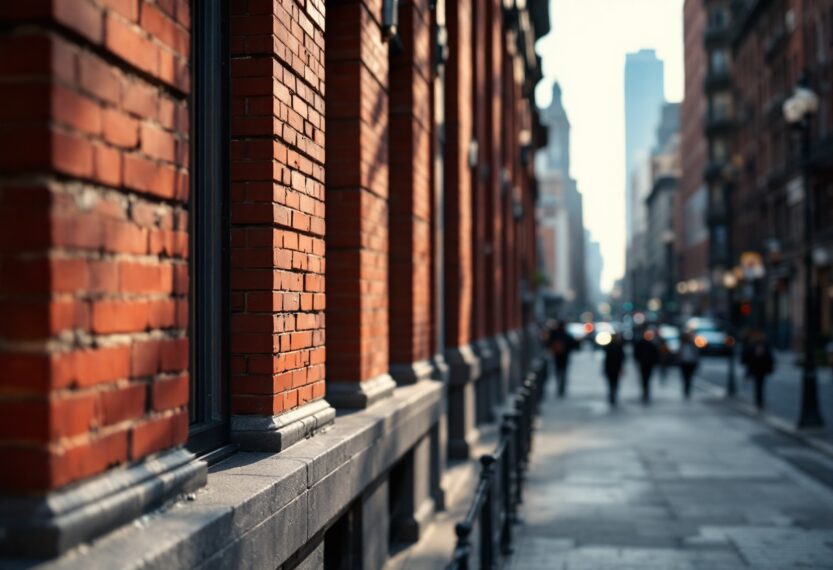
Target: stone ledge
(259, 508)
(50, 525)
(405, 374)
(360, 395)
(276, 433)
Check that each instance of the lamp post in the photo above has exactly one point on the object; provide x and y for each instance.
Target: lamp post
(730, 282)
(798, 111)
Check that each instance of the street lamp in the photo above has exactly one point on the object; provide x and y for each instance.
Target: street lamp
(798, 111)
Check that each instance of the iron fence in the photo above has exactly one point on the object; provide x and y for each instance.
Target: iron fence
(494, 509)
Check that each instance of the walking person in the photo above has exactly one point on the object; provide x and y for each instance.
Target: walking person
(689, 357)
(646, 353)
(561, 344)
(614, 359)
(759, 362)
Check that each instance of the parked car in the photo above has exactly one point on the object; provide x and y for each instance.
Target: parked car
(710, 336)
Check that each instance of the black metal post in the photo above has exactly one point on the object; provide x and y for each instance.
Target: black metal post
(507, 430)
(810, 416)
(731, 380)
(487, 528)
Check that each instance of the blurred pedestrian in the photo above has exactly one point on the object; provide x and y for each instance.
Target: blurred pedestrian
(561, 344)
(614, 359)
(759, 362)
(689, 358)
(646, 353)
(664, 358)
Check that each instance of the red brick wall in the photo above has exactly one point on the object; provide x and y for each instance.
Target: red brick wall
(458, 198)
(479, 184)
(493, 148)
(357, 191)
(277, 205)
(94, 242)
(410, 187)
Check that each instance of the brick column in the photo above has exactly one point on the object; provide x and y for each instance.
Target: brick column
(488, 385)
(357, 197)
(496, 190)
(277, 218)
(464, 367)
(410, 280)
(93, 267)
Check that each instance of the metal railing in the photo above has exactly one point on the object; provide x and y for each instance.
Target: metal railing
(494, 508)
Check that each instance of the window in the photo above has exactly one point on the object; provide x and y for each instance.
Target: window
(719, 61)
(209, 228)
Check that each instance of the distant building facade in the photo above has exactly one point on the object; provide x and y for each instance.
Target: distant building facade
(561, 212)
(691, 235)
(644, 96)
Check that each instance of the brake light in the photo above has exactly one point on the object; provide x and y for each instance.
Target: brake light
(700, 342)
(730, 341)
(588, 327)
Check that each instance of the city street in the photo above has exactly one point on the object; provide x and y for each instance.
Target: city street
(674, 485)
(783, 388)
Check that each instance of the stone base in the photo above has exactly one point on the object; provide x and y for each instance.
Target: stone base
(405, 374)
(515, 366)
(47, 526)
(488, 384)
(360, 395)
(271, 510)
(501, 347)
(440, 368)
(464, 369)
(276, 433)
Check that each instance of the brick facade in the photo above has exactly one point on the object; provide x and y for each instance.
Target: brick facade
(95, 237)
(377, 220)
(277, 206)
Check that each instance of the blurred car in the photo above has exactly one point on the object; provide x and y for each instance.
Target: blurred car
(670, 336)
(710, 336)
(603, 334)
(579, 331)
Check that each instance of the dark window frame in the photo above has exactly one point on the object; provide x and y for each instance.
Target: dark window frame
(209, 228)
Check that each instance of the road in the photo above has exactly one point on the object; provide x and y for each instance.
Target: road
(783, 388)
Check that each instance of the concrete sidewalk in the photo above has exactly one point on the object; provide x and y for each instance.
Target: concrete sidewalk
(674, 485)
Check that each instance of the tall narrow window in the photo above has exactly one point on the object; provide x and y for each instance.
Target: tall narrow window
(209, 227)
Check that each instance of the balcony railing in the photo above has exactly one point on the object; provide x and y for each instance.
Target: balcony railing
(485, 536)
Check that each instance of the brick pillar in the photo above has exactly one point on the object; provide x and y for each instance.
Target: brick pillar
(488, 391)
(277, 219)
(464, 366)
(357, 196)
(93, 265)
(495, 192)
(410, 280)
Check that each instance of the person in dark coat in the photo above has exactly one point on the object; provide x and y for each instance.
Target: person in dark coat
(759, 362)
(561, 344)
(646, 353)
(689, 357)
(614, 359)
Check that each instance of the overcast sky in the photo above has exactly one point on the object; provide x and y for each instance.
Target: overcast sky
(585, 51)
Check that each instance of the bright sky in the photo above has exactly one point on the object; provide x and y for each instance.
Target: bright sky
(585, 51)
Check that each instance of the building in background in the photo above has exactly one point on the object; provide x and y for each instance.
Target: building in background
(644, 96)
(665, 176)
(691, 233)
(775, 45)
(594, 267)
(753, 56)
(560, 213)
